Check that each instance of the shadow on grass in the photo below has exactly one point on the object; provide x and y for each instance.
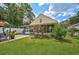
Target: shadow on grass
(76, 37)
(64, 40)
(50, 38)
(59, 40)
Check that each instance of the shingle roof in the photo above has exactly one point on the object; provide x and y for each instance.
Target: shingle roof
(43, 19)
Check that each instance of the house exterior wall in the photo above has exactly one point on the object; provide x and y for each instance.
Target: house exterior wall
(41, 29)
(42, 24)
(74, 26)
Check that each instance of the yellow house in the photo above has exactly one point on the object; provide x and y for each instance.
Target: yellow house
(42, 24)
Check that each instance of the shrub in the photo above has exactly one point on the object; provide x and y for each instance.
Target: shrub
(59, 31)
(12, 34)
(49, 35)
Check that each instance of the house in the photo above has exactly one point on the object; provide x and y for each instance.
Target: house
(42, 24)
(76, 26)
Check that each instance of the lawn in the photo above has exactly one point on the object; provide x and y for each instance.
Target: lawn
(37, 46)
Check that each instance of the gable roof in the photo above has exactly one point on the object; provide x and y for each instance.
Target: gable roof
(43, 19)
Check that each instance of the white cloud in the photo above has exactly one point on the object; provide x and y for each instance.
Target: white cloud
(50, 7)
(77, 6)
(58, 20)
(41, 4)
(72, 14)
(64, 14)
(59, 15)
(50, 12)
(60, 11)
(63, 19)
(35, 14)
(69, 11)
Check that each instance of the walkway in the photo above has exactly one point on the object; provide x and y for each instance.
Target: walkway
(21, 36)
(16, 37)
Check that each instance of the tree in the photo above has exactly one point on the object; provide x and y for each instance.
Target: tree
(13, 14)
(73, 20)
(28, 12)
(2, 13)
(16, 12)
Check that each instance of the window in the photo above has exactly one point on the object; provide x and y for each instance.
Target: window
(40, 20)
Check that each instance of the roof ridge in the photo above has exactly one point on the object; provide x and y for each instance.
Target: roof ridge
(47, 16)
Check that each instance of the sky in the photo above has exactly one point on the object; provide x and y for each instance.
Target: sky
(57, 11)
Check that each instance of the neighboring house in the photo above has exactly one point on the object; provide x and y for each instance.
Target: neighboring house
(42, 24)
(76, 26)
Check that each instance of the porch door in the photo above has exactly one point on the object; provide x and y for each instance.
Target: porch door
(49, 28)
(45, 28)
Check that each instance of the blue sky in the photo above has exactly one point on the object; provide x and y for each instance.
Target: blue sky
(57, 11)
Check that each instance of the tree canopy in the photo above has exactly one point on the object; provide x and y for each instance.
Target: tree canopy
(14, 13)
(75, 19)
(72, 20)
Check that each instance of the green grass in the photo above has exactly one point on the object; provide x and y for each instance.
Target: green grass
(37, 46)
